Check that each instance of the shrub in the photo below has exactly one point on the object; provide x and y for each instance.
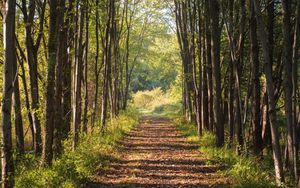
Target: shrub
(158, 102)
(74, 168)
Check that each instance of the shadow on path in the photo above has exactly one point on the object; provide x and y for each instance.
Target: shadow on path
(155, 154)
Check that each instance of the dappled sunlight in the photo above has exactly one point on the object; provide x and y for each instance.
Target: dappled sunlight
(155, 154)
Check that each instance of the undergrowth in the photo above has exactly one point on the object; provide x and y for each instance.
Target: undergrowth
(74, 168)
(243, 171)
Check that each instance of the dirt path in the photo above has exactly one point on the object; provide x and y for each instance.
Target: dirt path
(155, 154)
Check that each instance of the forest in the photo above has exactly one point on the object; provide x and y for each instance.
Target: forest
(150, 93)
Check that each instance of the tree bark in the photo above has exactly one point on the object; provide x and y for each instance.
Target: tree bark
(97, 72)
(50, 85)
(288, 86)
(31, 53)
(254, 59)
(271, 100)
(7, 163)
(107, 65)
(78, 78)
(215, 41)
(17, 111)
(86, 104)
(209, 65)
(295, 88)
(61, 58)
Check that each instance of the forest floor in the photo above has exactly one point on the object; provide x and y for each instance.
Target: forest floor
(156, 154)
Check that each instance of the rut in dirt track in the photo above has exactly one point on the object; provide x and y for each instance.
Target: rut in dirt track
(155, 154)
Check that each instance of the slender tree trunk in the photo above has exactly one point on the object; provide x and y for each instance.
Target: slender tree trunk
(209, 65)
(288, 86)
(95, 104)
(295, 87)
(107, 66)
(50, 85)
(265, 107)
(85, 110)
(27, 103)
(17, 111)
(231, 119)
(61, 57)
(7, 163)
(216, 71)
(67, 69)
(271, 100)
(254, 58)
(78, 78)
(31, 53)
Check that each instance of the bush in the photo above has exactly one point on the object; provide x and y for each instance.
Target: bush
(158, 102)
(74, 168)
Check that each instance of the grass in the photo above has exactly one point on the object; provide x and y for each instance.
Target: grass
(75, 168)
(243, 171)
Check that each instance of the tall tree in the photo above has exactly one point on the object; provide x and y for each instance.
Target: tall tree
(18, 111)
(271, 98)
(86, 93)
(295, 88)
(107, 62)
(7, 163)
(288, 80)
(61, 59)
(254, 58)
(97, 71)
(215, 53)
(32, 47)
(78, 77)
(50, 85)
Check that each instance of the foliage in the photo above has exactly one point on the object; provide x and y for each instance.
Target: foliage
(74, 168)
(158, 102)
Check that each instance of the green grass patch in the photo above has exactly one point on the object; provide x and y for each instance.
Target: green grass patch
(74, 168)
(243, 171)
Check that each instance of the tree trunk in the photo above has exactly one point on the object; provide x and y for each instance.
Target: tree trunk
(27, 103)
(107, 65)
(85, 110)
(61, 58)
(17, 111)
(216, 71)
(67, 70)
(95, 104)
(271, 99)
(7, 163)
(50, 85)
(31, 53)
(254, 59)
(295, 87)
(78, 78)
(288, 86)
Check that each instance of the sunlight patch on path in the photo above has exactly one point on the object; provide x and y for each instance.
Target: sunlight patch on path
(155, 154)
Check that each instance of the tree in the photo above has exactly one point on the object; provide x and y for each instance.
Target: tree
(50, 92)
(32, 48)
(256, 113)
(7, 163)
(78, 76)
(17, 110)
(271, 100)
(215, 53)
(61, 60)
(107, 62)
